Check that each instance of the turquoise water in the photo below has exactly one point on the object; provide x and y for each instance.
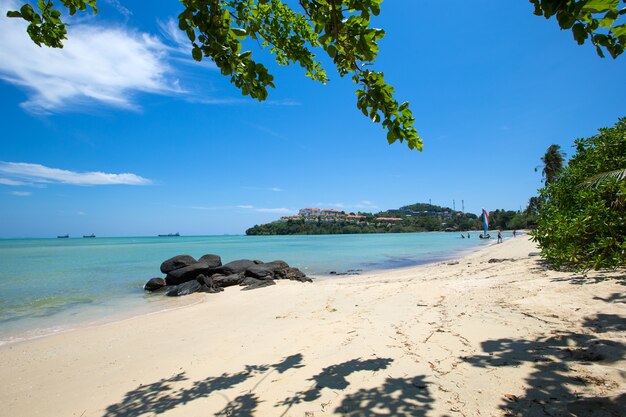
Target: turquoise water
(49, 285)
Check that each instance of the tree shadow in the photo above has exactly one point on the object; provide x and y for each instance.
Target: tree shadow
(582, 278)
(553, 386)
(616, 297)
(334, 377)
(396, 397)
(161, 396)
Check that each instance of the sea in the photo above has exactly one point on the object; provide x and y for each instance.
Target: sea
(54, 285)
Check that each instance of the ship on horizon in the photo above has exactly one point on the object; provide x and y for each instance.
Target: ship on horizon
(170, 235)
(91, 235)
(63, 236)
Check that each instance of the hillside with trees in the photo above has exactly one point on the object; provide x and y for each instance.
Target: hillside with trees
(419, 217)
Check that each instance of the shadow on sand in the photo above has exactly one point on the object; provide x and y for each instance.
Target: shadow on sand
(401, 397)
(161, 396)
(553, 386)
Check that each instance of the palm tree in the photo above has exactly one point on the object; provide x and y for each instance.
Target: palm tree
(552, 163)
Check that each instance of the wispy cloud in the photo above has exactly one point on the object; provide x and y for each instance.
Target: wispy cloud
(361, 205)
(21, 193)
(7, 181)
(26, 173)
(278, 210)
(120, 8)
(273, 189)
(97, 65)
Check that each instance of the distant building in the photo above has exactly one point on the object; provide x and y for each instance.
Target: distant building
(306, 212)
(388, 219)
(326, 213)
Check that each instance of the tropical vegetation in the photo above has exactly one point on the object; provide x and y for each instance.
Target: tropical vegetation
(419, 217)
(581, 221)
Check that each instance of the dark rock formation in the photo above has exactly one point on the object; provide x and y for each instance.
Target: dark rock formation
(227, 280)
(213, 261)
(154, 284)
(188, 273)
(185, 275)
(235, 267)
(177, 262)
(185, 288)
(209, 284)
(250, 283)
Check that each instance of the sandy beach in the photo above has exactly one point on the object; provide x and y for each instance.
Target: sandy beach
(491, 334)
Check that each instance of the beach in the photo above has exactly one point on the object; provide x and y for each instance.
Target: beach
(493, 333)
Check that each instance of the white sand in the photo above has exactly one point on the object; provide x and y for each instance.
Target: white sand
(466, 338)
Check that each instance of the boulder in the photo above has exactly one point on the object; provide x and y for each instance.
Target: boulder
(260, 272)
(212, 260)
(227, 280)
(295, 274)
(185, 288)
(154, 284)
(188, 273)
(235, 267)
(177, 262)
(208, 284)
(250, 283)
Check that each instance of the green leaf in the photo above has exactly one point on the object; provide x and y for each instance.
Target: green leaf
(14, 13)
(196, 53)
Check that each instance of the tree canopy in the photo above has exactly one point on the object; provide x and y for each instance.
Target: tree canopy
(582, 216)
(219, 29)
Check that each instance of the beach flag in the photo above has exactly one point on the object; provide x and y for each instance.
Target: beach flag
(485, 221)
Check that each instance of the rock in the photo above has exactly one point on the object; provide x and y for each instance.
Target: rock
(227, 280)
(185, 288)
(250, 283)
(260, 272)
(235, 267)
(208, 284)
(188, 273)
(213, 261)
(177, 262)
(154, 284)
(295, 274)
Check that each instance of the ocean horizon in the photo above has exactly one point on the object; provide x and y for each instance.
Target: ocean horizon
(50, 285)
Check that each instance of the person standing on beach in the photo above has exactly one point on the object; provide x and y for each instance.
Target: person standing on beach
(514, 231)
(499, 236)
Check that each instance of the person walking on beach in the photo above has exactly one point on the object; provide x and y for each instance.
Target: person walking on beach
(499, 236)
(514, 231)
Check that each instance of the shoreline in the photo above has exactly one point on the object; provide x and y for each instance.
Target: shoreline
(466, 337)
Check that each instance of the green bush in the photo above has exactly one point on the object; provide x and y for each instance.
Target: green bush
(582, 220)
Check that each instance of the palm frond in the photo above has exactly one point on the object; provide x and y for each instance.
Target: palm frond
(594, 181)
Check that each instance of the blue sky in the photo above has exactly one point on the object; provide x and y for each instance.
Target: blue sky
(122, 134)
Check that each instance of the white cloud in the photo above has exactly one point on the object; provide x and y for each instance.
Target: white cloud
(36, 173)
(21, 193)
(97, 65)
(280, 210)
(120, 8)
(6, 181)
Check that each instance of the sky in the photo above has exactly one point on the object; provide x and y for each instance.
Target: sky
(121, 133)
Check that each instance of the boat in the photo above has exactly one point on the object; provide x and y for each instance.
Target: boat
(170, 235)
(63, 236)
(91, 235)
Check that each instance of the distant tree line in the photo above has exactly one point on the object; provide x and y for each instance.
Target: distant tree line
(419, 217)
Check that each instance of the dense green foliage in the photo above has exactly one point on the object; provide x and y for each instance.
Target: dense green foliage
(418, 217)
(582, 215)
(219, 29)
(601, 21)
